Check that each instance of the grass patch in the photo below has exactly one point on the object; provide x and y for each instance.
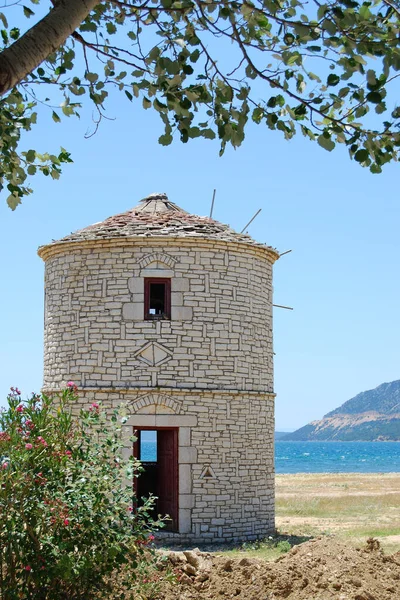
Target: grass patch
(268, 549)
(338, 506)
(350, 506)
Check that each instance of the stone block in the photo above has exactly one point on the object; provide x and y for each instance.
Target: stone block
(181, 313)
(176, 420)
(133, 311)
(143, 421)
(185, 521)
(136, 285)
(186, 500)
(184, 436)
(179, 284)
(185, 479)
(157, 273)
(137, 298)
(187, 454)
(176, 299)
(217, 521)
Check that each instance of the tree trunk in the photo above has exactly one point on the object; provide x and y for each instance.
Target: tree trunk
(30, 50)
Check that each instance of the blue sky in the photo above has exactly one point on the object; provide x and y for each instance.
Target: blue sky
(341, 222)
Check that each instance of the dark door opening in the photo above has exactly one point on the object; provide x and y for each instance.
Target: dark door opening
(158, 451)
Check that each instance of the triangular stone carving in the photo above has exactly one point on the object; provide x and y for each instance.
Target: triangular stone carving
(153, 354)
(208, 473)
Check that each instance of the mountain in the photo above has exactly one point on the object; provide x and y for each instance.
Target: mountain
(370, 416)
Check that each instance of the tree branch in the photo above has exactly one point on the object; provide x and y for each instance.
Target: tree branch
(31, 49)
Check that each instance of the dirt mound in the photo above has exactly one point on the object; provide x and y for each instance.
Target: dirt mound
(321, 569)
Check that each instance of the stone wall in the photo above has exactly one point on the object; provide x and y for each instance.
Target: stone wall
(219, 336)
(226, 457)
(208, 371)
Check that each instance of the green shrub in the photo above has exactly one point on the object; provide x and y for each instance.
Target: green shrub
(283, 546)
(68, 520)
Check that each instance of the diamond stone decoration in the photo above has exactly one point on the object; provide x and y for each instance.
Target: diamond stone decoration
(153, 354)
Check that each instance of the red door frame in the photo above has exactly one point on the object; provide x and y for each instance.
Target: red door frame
(136, 452)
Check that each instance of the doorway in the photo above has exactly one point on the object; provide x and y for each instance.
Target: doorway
(157, 449)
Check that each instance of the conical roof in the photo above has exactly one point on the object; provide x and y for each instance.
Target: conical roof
(157, 216)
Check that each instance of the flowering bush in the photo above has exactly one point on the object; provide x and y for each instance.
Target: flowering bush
(68, 519)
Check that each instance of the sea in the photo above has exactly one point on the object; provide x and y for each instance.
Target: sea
(324, 457)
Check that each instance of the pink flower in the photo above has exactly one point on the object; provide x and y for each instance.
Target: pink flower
(28, 568)
(28, 446)
(20, 409)
(17, 392)
(66, 522)
(130, 508)
(42, 441)
(151, 537)
(4, 465)
(68, 453)
(94, 407)
(70, 384)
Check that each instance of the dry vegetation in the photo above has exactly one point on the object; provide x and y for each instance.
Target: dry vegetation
(351, 506)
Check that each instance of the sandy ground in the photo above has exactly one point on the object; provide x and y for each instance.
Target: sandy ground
(352, 506)
(321, 569)
(345, 536)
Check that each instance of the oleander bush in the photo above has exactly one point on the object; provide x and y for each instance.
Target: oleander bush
(69, 524)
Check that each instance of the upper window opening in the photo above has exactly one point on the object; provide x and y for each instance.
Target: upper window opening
(157, 298)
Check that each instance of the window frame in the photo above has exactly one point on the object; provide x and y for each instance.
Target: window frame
(167, 298)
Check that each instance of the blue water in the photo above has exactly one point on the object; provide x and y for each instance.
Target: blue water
(325, 457)
(148, 451)
(337, 457)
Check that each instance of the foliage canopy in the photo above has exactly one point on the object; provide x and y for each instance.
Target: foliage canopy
(326, 69)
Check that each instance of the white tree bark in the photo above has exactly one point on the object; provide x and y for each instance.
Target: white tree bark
(31, 49)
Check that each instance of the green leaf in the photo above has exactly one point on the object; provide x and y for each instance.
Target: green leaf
(28, 12)
(165, 139)
(13, 200)
(56, 118)
(110, 28)
(30, 156)
(374, 97)
(322, 10)
(289, 39)
(258, 114)
(329, 26)
(333, 79)
(361, 155)
(326, 142)
(208, 134)
(92, 77)
(371, 77)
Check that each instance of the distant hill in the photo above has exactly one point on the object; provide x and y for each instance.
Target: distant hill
(373, 415)
(280, 434)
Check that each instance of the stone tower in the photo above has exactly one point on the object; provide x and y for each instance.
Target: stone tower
(170, 314)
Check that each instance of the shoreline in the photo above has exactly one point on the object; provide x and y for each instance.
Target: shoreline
(332, 473)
